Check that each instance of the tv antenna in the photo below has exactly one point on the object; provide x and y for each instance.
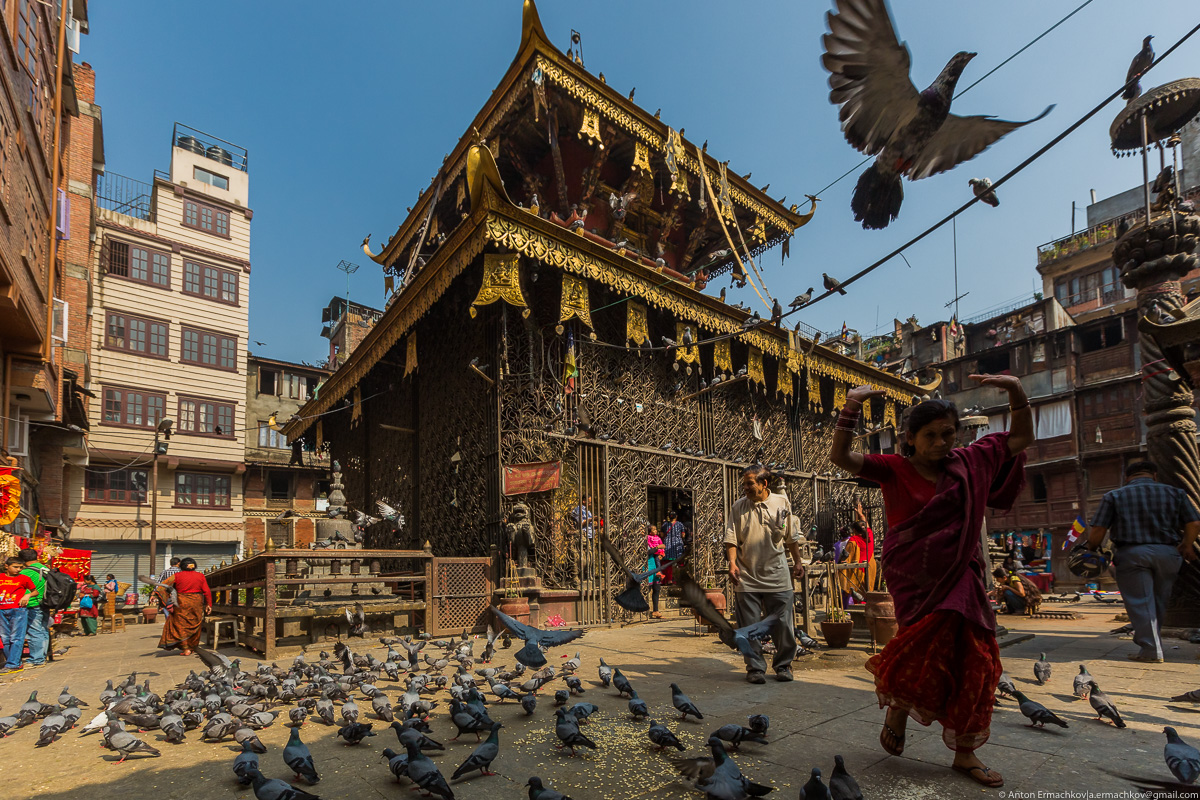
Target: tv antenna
(348, 268)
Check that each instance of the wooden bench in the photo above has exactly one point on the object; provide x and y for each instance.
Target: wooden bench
(212, 630)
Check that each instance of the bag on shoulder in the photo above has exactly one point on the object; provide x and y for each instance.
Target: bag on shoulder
(86, 601)
(59, 591)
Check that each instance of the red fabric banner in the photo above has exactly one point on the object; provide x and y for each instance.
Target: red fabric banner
(529, 478)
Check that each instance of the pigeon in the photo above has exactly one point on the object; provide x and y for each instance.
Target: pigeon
(297, 715)
(1103, 706)
(815, 789)
(637, 706)
(126, 743)
(718, 776)
(324, 710)
(246, 761)
(538, 791)
(832, 284)
(662, 737)
(65, 698)
(357, 621)
(622, 684)
(531, 655)
(759, 723)
(31, 709)
(582, 711)
(299, 760)
(1182, 759)
(490, 649)
(397, 763)
(482, 756)
(567, 730)
(350, 711)
(842, 785)
(425, 774)
(274, 789)
(52, 726)
(913, 134)
(801, 299)
(173, 728)
(1041, 670)
(1006, 686)
(683, 703)
(1137, 68)
(744, 640)
(354, 732)
(1188, 697)
(1037, 713)
(776, 311)
(1082, 684)
(9, 723)
(736, 734)
(561, 697)
(389, 514)
(606, 673)
(983, 190)
(467, 720)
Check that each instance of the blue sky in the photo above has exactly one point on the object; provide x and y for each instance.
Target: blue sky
(348, 109)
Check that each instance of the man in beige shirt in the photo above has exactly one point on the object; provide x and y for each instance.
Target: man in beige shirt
(760, 531)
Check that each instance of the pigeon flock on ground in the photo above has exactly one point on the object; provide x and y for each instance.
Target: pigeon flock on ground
(226, 704)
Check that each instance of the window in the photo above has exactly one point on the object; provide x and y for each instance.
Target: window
(116, 487)
(205, 417)
(269, 437)
(209, 349)
(1108, 335)
(137, 335)
(213, 283)
(27, 44)
(205, 491)
(205, 218)
(1037, 484)
(279, 486)
(211, 178)
(18, 433)
(267, 380)
(996, 363)
(139, 264)
(133, 407)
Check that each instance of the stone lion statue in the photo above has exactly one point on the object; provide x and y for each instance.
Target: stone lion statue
(519, 530)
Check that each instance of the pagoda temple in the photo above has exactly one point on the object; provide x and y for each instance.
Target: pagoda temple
(553, 346)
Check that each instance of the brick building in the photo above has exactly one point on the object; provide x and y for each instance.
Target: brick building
(285, 487)
(345, 325)
(47, 126)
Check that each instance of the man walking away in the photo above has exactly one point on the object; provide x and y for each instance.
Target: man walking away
(38, 631)
(169, 571)
(16, 590)
(759, 533)
(1153, 528)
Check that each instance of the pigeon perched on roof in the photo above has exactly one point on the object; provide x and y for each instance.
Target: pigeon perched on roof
(1137, 68)
(1037, 714)
(982, 187)
(1182, 759)
(911, 133)
(1041, 669)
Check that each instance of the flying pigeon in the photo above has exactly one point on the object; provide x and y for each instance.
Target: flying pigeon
(1182, 759)
(740, 639)
(482, 756)
(983, 190)
(815, 789)
(911, 133)
(630, 598)
(1082, 683)
(1103, 706)
(662, 737)
(1041, 670)
(718, 776)
(801, 299)
(683, 703)
(531, 655)
(1137, 68)
(842, 785)
(1037, 713)
(299, 760)
(832, 284)
(356, 621)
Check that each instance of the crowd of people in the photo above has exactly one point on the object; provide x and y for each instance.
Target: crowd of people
(24, 619)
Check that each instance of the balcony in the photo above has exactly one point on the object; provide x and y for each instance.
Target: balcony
(125, 195)
(1056, 449)
(1094, 236)
(1110, 362)
(1097, 297)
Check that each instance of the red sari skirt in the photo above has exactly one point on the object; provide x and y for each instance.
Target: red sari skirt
(942, 668)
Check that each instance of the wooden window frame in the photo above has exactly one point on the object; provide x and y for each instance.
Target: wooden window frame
(213, 228)
(27, 35)
(145, 395)
(219, 274)
(217, 406)
(221, 340)
(131, 494)
(151, 255)
(212, 494)
(266, 433)
(127, 347)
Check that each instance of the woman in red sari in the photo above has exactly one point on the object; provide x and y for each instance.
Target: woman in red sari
(182, 628)
(944, 663)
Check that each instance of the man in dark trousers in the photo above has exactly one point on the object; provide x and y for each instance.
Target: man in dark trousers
(1153, 528)
(760, 532)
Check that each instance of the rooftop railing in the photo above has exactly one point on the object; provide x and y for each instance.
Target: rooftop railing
(124, 195)
(209, 146)
(1094, 236)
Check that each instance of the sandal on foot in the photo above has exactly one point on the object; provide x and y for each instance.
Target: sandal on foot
(896, 737)
(981, 775)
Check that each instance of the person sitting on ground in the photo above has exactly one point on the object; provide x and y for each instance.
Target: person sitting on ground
(1010, 592)
(16, 590)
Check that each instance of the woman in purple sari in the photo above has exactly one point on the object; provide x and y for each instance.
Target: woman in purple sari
(944, 663)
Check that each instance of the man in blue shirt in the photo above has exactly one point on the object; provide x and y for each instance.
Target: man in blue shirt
(1153, 528)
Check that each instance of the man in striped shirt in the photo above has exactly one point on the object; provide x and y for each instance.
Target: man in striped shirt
(1153, 528)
